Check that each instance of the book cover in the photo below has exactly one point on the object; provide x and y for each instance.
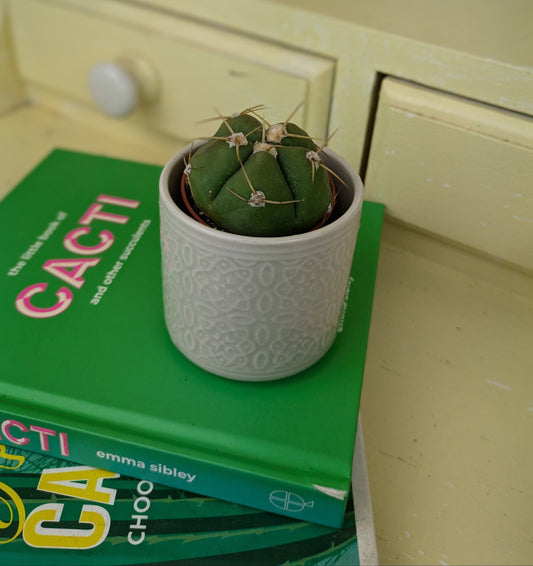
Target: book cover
(89, 373)
(63, 513)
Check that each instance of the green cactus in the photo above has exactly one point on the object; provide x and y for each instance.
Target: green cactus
(257, 179)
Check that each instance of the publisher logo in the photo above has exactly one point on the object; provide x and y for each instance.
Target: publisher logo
(287, 501)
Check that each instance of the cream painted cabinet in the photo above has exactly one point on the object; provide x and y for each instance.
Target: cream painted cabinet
(456, 168)
(185, 70)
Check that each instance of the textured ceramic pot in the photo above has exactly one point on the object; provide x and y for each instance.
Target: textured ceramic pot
(252, 308)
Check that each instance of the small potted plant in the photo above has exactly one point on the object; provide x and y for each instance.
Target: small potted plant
(258, 229)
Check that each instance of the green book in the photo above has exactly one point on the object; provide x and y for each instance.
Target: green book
(102, 518)
(89, 373)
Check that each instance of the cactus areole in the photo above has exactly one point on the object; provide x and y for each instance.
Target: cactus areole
(256, 179)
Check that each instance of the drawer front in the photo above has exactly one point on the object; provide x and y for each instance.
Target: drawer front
(198, 68)
(456, 168)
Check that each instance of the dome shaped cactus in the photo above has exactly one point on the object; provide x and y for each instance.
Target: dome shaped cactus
(257, 179)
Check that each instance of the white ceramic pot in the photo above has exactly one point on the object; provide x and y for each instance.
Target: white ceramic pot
(255, 308)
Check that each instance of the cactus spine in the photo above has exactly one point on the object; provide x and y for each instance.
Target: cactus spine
(257, 179)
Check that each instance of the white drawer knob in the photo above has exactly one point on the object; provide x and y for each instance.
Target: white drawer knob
(113, 89)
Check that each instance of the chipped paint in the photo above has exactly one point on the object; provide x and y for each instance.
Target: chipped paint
(498, 384)
(332, 492)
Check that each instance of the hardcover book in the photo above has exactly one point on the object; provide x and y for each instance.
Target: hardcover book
(89, 373)
(63, 513)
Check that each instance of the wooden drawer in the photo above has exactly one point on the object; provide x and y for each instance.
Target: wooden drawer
(457, 168)
(198, 68)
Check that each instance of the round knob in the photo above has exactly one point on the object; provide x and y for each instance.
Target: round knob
(113, 89)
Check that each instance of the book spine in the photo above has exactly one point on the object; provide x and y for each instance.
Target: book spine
(317, 504)
(64, 513)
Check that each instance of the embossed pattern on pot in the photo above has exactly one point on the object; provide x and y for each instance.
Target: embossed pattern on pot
(210, 300)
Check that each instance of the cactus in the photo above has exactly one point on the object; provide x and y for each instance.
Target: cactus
(257, 179)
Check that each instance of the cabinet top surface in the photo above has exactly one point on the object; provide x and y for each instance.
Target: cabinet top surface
(493, 29)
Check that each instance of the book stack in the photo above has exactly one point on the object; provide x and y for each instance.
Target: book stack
(64, 513)
(89, 375)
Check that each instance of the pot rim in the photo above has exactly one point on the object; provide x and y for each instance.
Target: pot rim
(168, 174)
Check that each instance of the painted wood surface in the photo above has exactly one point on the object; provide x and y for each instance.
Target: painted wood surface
(456, 168)
(11, 87)
(200, 69)
(480, 49)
